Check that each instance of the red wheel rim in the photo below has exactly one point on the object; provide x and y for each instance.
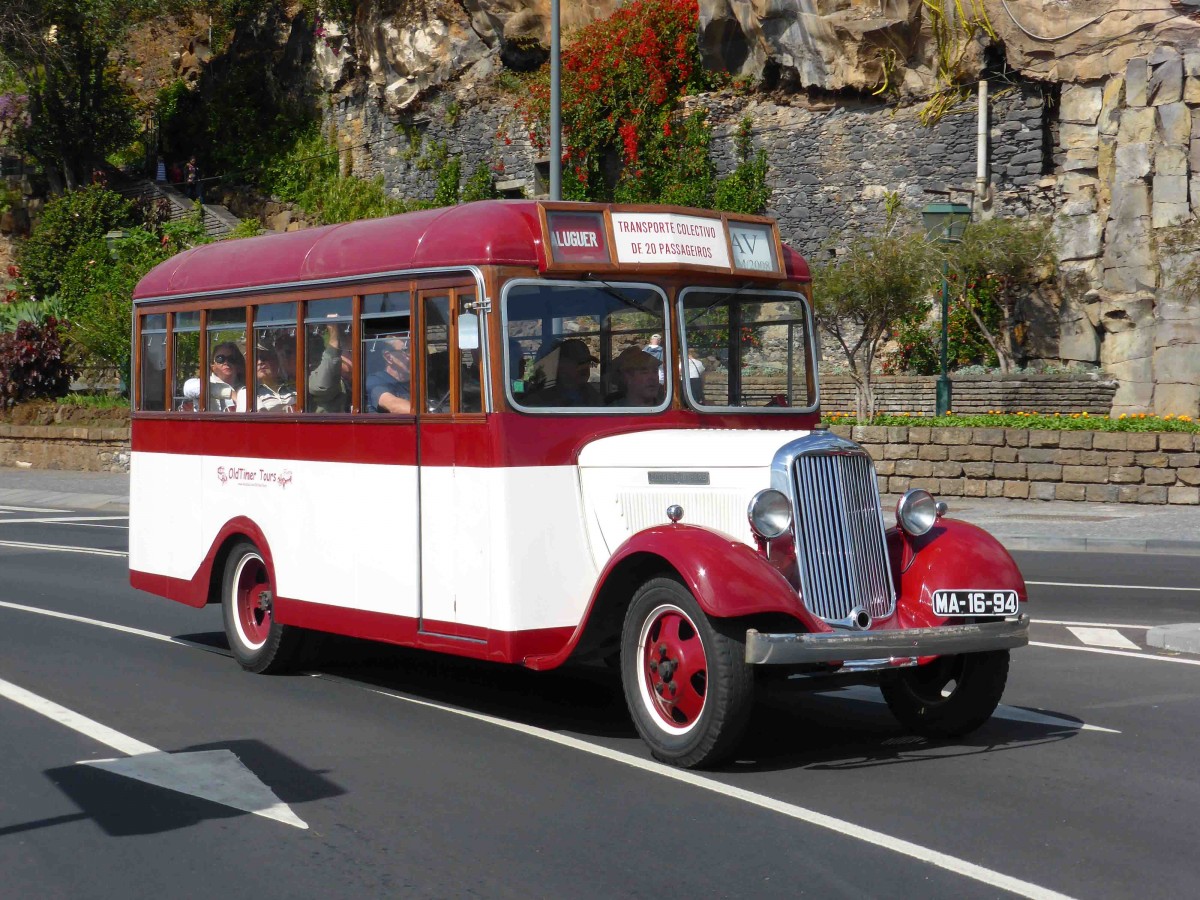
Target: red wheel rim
(253, 613)
(674, 669)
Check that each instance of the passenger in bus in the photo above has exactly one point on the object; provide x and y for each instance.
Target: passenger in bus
(271, 392)
(330, 373)
(226, 376)
(637, 379)
(389, 385)
(571, 362)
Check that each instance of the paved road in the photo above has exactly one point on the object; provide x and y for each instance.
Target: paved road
(394, 773)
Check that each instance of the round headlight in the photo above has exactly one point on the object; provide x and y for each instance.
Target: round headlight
(770, 514)
(916, 512)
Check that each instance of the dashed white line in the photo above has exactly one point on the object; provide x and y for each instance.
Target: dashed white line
(62, 548)
(62, 520)
(1148, 657)
(1112, 587)
(1089, 624)
(113, 626)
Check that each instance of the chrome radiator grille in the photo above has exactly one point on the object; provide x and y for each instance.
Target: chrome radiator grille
(841, 547)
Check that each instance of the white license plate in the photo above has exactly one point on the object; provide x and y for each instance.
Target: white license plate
(975, 603)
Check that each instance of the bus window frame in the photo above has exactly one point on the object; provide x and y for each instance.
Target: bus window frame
(138, 361)
(476, 278)
(606, 334)
(811, 381)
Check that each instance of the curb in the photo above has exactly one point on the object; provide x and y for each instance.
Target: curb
(1043, 544)
(1182, 638)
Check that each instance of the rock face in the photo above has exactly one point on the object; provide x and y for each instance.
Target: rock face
(1101, 133)
(403, 54)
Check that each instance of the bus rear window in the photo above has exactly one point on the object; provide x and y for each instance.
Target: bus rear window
(585, 346)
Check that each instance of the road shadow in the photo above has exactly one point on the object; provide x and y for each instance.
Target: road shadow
(124, 807)
(790, 728)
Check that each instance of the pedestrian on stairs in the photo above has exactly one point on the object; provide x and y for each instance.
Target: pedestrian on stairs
(191, 177)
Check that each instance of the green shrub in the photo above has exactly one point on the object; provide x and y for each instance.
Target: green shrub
(35, 311)
(67, 223)
(479, 186)
(1139, 422)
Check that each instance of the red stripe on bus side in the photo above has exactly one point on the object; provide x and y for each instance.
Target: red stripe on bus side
(504, 439)
(445, 637)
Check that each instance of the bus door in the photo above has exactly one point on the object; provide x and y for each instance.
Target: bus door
(454, 478)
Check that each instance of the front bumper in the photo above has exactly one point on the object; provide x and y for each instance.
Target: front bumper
(905, 643)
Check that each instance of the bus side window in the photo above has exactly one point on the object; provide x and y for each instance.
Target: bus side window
(152, 361)
(226, 374)
(387, 370)
(185, 382)
(329, 350)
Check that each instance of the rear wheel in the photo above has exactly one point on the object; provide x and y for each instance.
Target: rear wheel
(258, 642)
(949, 697)
(686, 681)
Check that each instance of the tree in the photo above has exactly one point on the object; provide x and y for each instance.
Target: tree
(878, 280)
(61, 52)
(1007, 256)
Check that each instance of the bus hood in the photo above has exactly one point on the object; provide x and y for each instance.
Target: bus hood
(629, 480)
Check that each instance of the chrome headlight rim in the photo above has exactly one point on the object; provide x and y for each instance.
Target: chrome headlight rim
(770, 514)
(917, 512)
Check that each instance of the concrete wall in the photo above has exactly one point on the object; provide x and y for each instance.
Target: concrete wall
(976, 394)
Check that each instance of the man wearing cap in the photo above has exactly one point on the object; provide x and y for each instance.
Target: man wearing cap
(571, 362)
(637, 375)
(388, 390)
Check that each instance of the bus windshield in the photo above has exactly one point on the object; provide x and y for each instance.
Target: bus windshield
(747, 348)
(586, 346)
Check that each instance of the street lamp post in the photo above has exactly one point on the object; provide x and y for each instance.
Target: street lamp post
(555, 105)
(945, 223)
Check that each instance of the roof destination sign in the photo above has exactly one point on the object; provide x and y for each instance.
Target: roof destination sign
(665, 238)
(577, 237)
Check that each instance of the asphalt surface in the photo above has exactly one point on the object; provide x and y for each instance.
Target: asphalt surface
(423, 775)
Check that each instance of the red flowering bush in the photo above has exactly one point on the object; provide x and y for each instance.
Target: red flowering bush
(622, 79)
(32, 363)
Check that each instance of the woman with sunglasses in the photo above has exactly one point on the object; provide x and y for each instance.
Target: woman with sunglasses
(272, 392)
(226, 376)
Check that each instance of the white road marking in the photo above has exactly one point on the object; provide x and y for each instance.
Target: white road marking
(30, 509)
(1103, 637)
(62, 520)
(1113, 587)
(1148, 657)
(155, 636)
(62, 548)
(1013, 713)
(215, 775)
(897, 845)
(1089, 624)
(848, 829)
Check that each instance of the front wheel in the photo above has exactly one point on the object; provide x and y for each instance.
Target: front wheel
(949, 697)
(258, 642)
(686, 681)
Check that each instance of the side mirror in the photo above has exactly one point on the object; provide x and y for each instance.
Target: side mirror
(468, 331)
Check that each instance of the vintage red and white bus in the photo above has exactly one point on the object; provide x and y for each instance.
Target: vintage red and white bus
(534, 433)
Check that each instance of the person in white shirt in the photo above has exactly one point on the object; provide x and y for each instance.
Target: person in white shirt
(227, 374)
(695, 369)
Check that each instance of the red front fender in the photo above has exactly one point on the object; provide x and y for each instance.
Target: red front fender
(726, 577)
(954, 555)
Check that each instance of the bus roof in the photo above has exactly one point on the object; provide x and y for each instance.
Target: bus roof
(488, 232)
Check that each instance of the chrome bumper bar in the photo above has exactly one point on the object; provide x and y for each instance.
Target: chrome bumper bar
(943, 640)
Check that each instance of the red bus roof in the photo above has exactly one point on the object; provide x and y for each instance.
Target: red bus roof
(489, 232)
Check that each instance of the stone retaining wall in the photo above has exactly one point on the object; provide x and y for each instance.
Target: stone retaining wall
(976, 394)
(58, 447)
(1109, 467)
